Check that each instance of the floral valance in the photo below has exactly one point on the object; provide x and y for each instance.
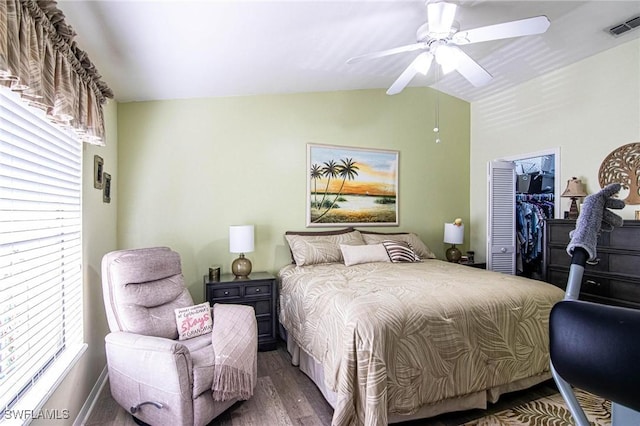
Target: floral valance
(40, 60)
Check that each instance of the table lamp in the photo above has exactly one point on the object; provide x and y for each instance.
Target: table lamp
(575, 189)
(241, 241)
(454, 234)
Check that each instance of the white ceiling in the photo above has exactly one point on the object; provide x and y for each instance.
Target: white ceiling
(166, 49)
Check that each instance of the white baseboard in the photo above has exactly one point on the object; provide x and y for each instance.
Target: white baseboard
(88, 405)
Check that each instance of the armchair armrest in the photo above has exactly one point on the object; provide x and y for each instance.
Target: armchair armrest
(146, 368)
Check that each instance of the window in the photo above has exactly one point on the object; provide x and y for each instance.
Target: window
(41, 329)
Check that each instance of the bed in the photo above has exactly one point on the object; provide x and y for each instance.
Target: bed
(392, 341)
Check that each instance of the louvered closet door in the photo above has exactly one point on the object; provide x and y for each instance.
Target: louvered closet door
(501, 227)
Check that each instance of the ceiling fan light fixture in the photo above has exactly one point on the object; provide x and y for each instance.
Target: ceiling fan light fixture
(447, 58)
(422, 63)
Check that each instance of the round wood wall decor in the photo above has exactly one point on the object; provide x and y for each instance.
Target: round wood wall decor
(622, 166)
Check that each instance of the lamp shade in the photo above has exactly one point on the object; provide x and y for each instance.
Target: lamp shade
(575, 188)
(453, 234)
(241, 239)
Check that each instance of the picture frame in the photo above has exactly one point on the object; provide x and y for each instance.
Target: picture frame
(106, 192)
(351, 186)
(98, 169)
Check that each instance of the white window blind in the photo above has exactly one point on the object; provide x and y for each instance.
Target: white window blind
(40, 251)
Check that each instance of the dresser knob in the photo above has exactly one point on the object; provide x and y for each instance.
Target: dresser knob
(257, 290)
(594, 283)
(594, 261)
(226, 293)
(503, 250)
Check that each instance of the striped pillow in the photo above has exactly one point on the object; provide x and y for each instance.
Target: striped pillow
(400, 251)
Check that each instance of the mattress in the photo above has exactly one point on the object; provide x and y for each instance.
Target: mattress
(390, 339)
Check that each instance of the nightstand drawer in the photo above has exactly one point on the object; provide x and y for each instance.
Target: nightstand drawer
(224, 292)
(265, 328)
(257, 289)
(261, 307)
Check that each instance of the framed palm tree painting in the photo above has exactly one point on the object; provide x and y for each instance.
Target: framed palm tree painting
(351, 186)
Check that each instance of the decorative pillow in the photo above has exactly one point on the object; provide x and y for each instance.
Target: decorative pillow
(320, 248)
(400, 251)
(194, 321)
(408, 237)
(354, 255)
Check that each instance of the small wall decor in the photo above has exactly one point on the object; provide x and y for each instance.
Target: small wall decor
(106, 191)
(622, 166)
(351, 186)
(98, 167)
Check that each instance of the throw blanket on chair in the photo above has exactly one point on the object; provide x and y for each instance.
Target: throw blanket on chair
(235, 342)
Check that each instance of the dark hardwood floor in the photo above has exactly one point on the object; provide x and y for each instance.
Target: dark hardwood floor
(286, 396)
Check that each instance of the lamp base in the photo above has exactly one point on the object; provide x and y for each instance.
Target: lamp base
(573, 210)
(241, 267)
(453, 254)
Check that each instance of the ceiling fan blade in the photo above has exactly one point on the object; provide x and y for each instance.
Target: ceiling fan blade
(522, 27)
(421, 64)
(470, 69)
(440, 16)
(394, 51)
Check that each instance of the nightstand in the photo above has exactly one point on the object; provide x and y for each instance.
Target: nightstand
(259, 291)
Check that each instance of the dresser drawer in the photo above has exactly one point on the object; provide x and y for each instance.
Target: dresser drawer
(223, 292)
(627, 238)
(560, 257)
(590, 284)
(625, 290)
(259, 289)
(625, 264)
(559, 233)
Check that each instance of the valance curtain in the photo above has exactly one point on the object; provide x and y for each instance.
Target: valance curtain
(40, 61)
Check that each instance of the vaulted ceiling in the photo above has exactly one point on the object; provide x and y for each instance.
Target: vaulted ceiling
(166, 49)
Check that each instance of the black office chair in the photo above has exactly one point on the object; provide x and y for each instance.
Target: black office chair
(595, 347)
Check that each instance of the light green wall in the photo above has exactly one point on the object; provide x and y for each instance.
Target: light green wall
(99, 237)
(188, 169)
(587, 110)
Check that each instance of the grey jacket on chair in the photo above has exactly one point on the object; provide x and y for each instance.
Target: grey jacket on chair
(146, 362)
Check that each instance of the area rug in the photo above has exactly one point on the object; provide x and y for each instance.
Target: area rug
(549, 411)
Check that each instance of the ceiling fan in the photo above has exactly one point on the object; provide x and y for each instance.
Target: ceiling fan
(440, 37)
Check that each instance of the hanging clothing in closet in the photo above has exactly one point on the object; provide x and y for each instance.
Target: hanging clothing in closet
(532, 210)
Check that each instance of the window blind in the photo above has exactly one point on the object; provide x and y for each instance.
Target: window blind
(40, 248)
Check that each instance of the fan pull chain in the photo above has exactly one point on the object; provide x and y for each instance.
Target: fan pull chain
(436, 129)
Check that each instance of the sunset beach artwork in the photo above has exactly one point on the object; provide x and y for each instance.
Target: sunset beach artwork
(351, 186)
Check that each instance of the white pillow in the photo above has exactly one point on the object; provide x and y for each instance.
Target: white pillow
(354, 255)
(194, 321)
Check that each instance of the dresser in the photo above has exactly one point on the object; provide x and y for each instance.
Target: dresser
(613, 278)
(259, 291)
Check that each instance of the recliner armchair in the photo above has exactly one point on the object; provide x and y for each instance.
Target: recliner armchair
(158, 379)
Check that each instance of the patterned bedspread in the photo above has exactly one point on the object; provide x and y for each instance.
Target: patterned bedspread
(395, 336)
